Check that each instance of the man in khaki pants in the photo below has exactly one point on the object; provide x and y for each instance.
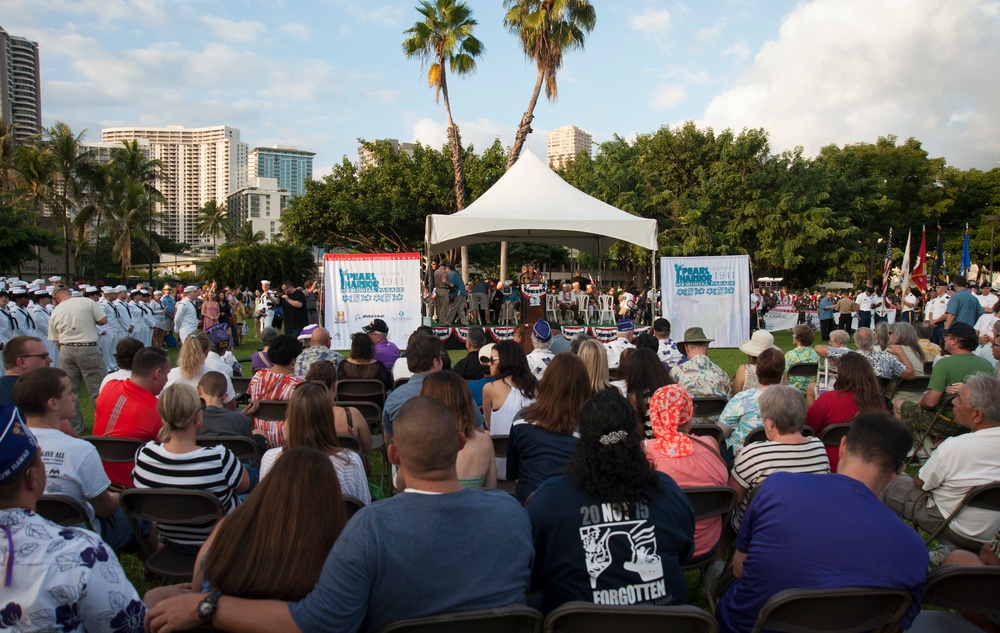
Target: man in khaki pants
(73, 326)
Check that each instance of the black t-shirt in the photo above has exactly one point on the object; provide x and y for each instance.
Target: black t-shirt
(295, 318)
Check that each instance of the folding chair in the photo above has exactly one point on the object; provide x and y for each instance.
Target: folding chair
(243, 447)
(921, 437)
(966, 589)
(272, 410)
(552, 308)
(583, 307)
(846, 610)
(363, 390)
(803, 369)
(985, 497)
(352, 505)
(831, 435)
(708, 406)
(175, 506)
(516, 618)
(241, 384)
(585, 617)
(709, 430)
(64, 510)
(115, 450)
(756, 435)
(400, 382)
(350, 442)
(500, 443)
(373, 416)
(605, 305)
(916, 385)
(708, 502)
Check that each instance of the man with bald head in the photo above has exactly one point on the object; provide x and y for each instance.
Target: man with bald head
(318, 349)
(408, 556)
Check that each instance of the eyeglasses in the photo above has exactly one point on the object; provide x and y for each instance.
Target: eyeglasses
(45, 355)
(494, 360)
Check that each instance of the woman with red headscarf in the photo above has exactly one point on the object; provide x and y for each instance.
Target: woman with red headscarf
(689, 460)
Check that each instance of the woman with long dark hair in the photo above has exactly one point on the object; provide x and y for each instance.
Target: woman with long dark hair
(612, 521)
(513, 389)
(646, 374)
(361, 364)
(856, 391)
(543, 436)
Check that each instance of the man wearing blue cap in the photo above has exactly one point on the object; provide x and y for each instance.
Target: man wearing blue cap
(84, 585)
(615, 347)
(541, 356)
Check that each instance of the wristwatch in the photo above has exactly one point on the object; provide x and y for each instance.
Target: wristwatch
(207, 607)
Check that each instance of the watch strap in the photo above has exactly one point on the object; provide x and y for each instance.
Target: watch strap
(208, 606)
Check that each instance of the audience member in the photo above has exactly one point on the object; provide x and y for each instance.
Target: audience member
(469, 368)
(595, 359)
(885, 364)
(963, 307)
(476, 386)
(924, 331)
(216, 420)
(276, 382)
(191, 366)
(423, 356)
(742, 413)
(620, 343)
(73, 325)
(513, 390)
(475, 464)
(348, 420)
(362, 364)
(21, 355)
(541, 354)
(746, 374)
(863, 543)
(668, 350)
(124, 353)
(575, 519)
(259, 360)
(699, 375)
(803, 337)
(903, 342)
(386, 351)
(646, 373)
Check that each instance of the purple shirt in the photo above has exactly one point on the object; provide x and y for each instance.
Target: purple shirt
(387, 352)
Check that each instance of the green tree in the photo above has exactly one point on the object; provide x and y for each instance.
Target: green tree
(212, 221)
(35, 172)
(545, 29)
(248, 264)
(444, 38)
(19, 236)
(131, 216)
(65, 148)
(246, 236)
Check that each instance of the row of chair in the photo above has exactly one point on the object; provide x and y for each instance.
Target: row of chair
(847, 610)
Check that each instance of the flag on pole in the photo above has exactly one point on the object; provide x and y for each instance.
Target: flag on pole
(938, 273)
(904, 288)
(888, 266)
(966, 257)
(919, 272)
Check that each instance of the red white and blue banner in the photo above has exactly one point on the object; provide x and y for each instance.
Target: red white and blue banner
(708, 292)
(363, 287)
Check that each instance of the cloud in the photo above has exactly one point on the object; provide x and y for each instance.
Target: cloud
(479, 133)
(844, 71)
(667, 97)
(737, 49)
(232, 31)
(370, 12)
(652, 21)
(710, 33)
(297, 31)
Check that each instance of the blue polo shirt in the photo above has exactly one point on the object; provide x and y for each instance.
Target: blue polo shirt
(966, 308)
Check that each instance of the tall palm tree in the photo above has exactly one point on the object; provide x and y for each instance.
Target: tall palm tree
(100, 184)
(545, 29)
(245, 235)
(131, 215)
(132, 164)
(35, 171)
(65, 147)
(212, 221)
(444, 38)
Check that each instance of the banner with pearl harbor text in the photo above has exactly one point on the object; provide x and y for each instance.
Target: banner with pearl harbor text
(708, 292)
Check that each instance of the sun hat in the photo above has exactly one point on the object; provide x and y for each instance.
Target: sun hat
(692, 335)
(759, 341)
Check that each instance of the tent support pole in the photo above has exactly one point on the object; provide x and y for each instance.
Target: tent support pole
(652, 304)
(503, 261)
(465, 264)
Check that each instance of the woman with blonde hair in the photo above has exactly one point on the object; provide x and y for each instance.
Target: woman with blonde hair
(176, 461)
(310, 423)
(595, 359)
(476, 466)
(191, 366)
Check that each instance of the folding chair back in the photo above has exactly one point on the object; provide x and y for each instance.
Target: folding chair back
(756, 435)
(583, 307)
(710, 501)
(352, 505)
(365, 390)
(500, 443)
(847, 610)
(350, 442)
(708, 406)
(115, 449)
(917, 385)
(606, 309)
(373, 417)
(64, 510)
(276, 410)
(585, 617)
(964, 588)
(175, 506)
(985, 497)
(803, 369)
(400, 382)
(516, 618)
(552, 308)
(831, 435)
(243, 447)
(241, 384)
(708, 430)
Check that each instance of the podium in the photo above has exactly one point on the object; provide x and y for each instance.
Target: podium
(532, 302)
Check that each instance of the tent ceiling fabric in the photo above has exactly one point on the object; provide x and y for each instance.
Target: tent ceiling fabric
(531, 203)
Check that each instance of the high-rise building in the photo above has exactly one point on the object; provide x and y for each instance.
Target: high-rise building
(260, 203)
(199, 165)
(20, 86)
(565, 144)
(100, 152)
(288, 165)
(368, 158)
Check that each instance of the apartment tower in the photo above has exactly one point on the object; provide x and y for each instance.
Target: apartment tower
(20, 86)
(288, 165)
(565, 144)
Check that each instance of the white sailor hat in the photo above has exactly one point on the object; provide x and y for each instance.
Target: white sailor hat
(19, 291)
(76, 293)
(107, 289)
(188, 289)
(41, 293)
(120, 288)
(55, 278)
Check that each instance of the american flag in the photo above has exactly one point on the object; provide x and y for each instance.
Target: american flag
(888, 265)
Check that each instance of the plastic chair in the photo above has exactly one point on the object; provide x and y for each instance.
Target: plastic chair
(350, 442)
(585, 617)
(803, 369)
(967, 589)
(709, 430)
(552, 308)
(272, 410)
(583, 307)
(986, 497)
(366, 390)
(515, 618)
(115, 450)
(64, 510)
(708, 502)
(708, 406)
(831, 435)
(605, 308)
(175, 506)
(500, 443)
(241, 384)
(846, 610)
(243, 447)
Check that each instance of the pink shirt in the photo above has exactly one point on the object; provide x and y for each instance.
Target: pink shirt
(703, 467)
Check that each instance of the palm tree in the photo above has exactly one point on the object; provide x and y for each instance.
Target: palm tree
(545, 29)
(212, 222)
(131, 164)
(35, 170)
(246, 236)
(444, 38)
(131, 215)
(100, 190)
(65, 147)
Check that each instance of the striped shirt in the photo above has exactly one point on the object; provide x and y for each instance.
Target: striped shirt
(758, 460)
(350, 472)
(211, 469)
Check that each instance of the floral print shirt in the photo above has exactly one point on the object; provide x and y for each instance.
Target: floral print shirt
(62, 579)
(702, 378)
(796, 356)
(742, 414)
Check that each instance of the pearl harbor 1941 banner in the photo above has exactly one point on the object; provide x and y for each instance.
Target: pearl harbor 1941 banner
(708, 292)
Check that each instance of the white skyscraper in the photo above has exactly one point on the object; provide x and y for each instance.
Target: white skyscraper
(199, 165)
(565, 144)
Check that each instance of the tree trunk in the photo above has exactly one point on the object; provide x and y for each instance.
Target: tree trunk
(525, 126)
(456, 146)
(67, 229)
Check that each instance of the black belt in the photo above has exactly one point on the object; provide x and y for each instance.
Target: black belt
(79, 344)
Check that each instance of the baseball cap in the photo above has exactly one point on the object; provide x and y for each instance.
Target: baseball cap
(18, 445)
(485, 352)
(377, 325)
(307, 331)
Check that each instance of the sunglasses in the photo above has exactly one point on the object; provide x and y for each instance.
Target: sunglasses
(494, 360)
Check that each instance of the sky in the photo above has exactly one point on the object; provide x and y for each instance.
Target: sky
(321, 74)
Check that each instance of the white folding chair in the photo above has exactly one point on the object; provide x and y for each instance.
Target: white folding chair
(552, 308)
(606, 303)
(583, 307)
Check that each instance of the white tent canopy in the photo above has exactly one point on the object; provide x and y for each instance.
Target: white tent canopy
(531, 203)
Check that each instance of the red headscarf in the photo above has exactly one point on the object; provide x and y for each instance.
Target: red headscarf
(670, 408)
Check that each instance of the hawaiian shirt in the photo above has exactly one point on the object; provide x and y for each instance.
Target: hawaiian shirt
(885, 364)
(742, 414)
(62, 579)
(796, 356)
(538, 360)
(702, 378)
(669, 353)
(313, 354)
